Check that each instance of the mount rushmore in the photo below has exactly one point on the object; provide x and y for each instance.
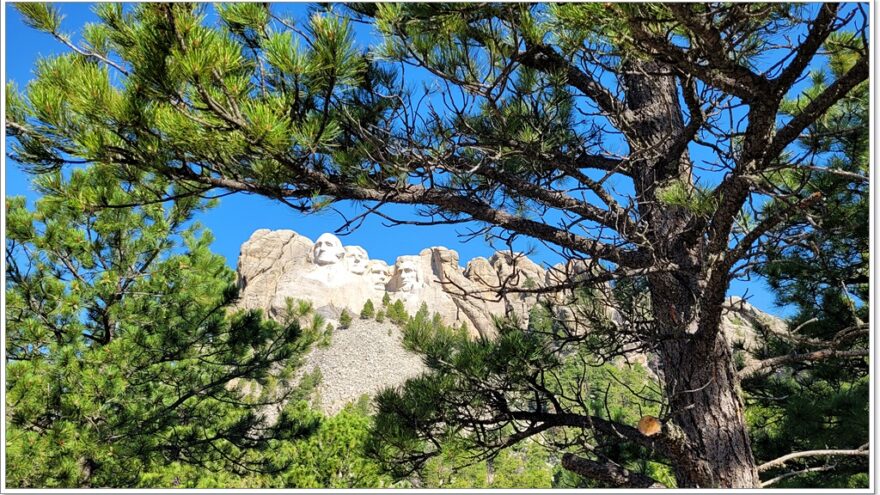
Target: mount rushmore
(281, 264)
(277, 265)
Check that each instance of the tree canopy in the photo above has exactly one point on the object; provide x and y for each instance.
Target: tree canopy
(121, 354)
(667, 148)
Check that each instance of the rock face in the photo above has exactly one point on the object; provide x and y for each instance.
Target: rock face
(508, 272)
(281, 264)
(264, 258)
(276, 265)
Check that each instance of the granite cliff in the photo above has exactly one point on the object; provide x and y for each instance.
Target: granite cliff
(278, 265)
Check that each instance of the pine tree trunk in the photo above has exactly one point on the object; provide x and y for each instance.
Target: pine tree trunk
(700, 384)
(695, 359)
(705, 405)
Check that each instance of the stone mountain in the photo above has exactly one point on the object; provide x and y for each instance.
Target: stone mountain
(278, 265)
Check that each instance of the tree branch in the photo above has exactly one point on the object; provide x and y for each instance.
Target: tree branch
(853, 176)
(817, 469)
(609, 472)
(616, 220)
(779, 462)
(669, 442)
(768, 364)
(87, 53)
(820, 28)
(720, 72)
(546, 59)
(317, 183)
(817, 107)
(766, 225)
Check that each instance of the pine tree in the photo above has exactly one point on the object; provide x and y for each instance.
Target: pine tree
(397, 313)
(572, 124)
(821, 267)
(122, 352)
(368, 310)
(344, 319)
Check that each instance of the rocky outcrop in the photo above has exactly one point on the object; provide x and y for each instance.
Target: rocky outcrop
(743, 324)
(500, 281)
(281, 264)
(264, 258)
(275, 266)
(278, 265)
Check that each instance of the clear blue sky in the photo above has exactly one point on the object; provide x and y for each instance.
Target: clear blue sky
(238, 216)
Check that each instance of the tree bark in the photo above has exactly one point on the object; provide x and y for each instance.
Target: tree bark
(705, 404)
(609, 473)
(696, 363)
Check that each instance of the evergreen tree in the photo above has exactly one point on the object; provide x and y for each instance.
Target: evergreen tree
(529, 374)
(368, 310)
(397, 313)
(525, 466)
(334, 457)
(122, 352)
(571, 124)
(820, 267)
(344, 319)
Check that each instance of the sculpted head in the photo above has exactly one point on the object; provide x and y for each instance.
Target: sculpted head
(356, 259)
(327, 250)
(377, 271)
(406, 270)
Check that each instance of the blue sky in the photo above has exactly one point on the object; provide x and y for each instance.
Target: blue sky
(238, 216)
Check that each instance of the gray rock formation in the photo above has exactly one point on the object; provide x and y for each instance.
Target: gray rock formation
(264, 258)
(500, 279)
(276, 265)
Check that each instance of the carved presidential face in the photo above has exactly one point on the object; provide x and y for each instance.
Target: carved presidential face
(328, 250)
(356, 259)
(408, 274)
(377, 271)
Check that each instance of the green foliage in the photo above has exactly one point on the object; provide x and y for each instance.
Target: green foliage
(368, 310)
(694, 198)
(420, 330)
(397, 313)
(278, 89)
(386, 300)
(837, 240)
(40, 16)
(326, 336)
(380, 316)
(331, 458)
(122, 356)
(523, 466)
(465, 371)
(822, 269)
(125, 369)
(345, 319)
